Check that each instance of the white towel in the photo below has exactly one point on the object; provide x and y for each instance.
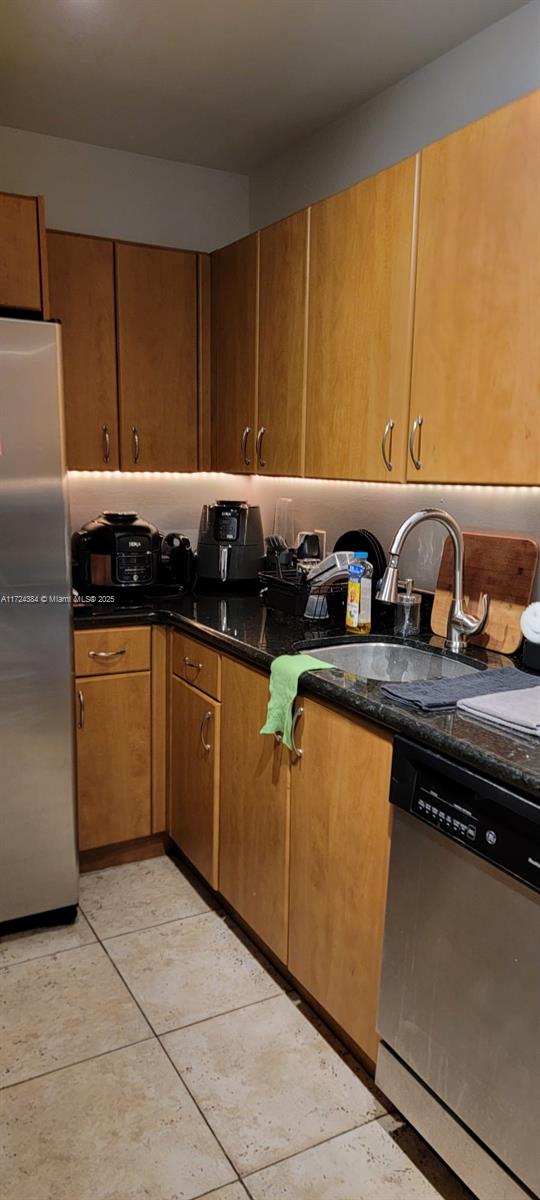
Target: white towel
(516, 711)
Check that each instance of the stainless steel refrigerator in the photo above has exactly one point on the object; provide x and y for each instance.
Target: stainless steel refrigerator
(38, 848)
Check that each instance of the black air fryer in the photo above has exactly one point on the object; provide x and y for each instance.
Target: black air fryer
(231, 544)
(117, 554)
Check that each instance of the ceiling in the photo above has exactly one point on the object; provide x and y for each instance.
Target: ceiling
(220, 83)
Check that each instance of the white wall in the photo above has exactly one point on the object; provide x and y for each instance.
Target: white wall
(175, 501)
(489, 70)
(91, 189)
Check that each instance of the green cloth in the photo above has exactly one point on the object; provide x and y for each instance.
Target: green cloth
(284, 675)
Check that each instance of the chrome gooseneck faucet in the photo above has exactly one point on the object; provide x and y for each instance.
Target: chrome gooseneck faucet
(461, 624)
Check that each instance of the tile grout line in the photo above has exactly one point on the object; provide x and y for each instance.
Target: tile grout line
(77, 1063)
(20, 962)
(182, 1081)
(109, 937)
(315, 1145)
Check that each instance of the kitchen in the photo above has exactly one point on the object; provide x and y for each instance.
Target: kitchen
(301, 962)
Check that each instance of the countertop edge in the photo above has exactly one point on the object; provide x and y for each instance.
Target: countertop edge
(391, 717)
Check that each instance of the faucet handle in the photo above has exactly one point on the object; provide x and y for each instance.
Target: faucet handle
(476, 624)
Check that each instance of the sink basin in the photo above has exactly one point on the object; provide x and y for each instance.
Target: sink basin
(391, 663)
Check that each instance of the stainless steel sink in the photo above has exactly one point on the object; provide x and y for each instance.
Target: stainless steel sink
(391, 663)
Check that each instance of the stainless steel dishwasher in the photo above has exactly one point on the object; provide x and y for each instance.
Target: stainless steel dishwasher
(459, 1009)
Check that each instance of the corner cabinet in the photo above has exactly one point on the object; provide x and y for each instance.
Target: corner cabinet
(254, 809)
(360, 328)
(81, 284)
(194, 754)
(340, 843)
(283, 282)
(475, 394)
(156, 299)
(234, 336)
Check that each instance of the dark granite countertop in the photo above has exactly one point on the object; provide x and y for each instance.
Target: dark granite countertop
(238, 624)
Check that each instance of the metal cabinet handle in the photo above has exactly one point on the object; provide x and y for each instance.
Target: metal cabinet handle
(196, 666)
(258, 445)
(243, 445)
(416, 425)
(105, 653)
(297, 749)
(106, 443)
(387, 438)
(204, 725)
(135, 443)
(80, 696)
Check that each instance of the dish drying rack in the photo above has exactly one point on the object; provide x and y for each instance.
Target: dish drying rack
(316, 594)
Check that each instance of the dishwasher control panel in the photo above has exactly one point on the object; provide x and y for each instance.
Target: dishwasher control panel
(483, 816)
(453, 818)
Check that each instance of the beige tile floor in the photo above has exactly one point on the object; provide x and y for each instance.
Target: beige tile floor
(242, 1096)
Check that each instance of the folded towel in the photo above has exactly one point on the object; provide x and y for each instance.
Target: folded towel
(518, 712)
(284, 675)
(441, 695)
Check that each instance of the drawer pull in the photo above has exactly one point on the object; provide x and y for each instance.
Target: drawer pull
(80, 696)
(196, 666)
(105, 653)
(297, 749)
(204, 725)
(106, 443)
(135, 443)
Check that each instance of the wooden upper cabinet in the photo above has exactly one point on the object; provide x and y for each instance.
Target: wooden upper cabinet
(23, 254)
(234, 306)
(282, 346)
(156, 298)
(340, 843)
(81, 284)
(476, 359)
(359, 329)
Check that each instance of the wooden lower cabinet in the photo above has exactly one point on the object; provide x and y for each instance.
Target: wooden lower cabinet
(194, 791)
(113, 758)
(254, 816)
(340, 841)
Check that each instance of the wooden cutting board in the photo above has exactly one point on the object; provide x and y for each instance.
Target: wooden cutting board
(504, 565)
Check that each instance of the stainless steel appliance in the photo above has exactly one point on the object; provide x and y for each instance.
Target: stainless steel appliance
(459, 1011)
(38, 853)
(116, 553)
(231, 543)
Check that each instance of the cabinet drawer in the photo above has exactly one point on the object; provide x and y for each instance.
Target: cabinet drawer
(197, 664)
(108, 651)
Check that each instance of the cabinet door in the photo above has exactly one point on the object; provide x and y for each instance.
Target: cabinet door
(234, 355)
(340, 838)
(81, 287)
(359, 336)
(156, 296)
(21, 265)
(282, 346)
(113, 759)
(193, 822)
(254, 809)
(476, 359)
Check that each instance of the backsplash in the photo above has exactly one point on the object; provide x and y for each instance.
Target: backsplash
(173, 501)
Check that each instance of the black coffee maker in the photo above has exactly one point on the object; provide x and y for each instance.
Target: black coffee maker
(230, 549)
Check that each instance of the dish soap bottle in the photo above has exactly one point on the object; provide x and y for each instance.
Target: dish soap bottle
(358, 619)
